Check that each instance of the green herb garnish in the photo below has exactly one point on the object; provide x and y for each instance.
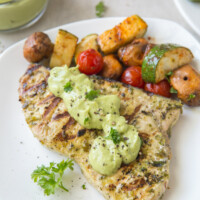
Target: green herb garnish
(100, 9)
(173, 91)
(158, 163)
(86, 120)
(50, 178)
(191, 96)
(167, 76)
(84, 187)
(92, 94)
(114, 136)
(68, 87)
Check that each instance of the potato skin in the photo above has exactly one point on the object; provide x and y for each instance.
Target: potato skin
(112, 68)
(37, 46)
(187, 82)
(133, 54)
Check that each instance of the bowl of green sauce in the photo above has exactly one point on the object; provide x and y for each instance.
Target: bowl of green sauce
(18, 14)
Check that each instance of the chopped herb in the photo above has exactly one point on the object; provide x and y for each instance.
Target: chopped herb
(86, 120)
(100, 9)
(84, 187)
(167, 76)
(158, 163)
(173, 91)
(68, 87)
(151, 190)
(50, 178)
(191, 96)
(92, 94)
(114, 136)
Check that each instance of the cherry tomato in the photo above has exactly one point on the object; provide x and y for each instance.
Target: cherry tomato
(133, 76)
(162, 88)
(90, 62)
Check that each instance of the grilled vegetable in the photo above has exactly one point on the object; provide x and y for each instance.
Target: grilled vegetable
(90, 62)
(112, 68)
(88, 42)
(162, 88)
(64, 49)
(37, 47)
(132, 27)
(133, 76)
(133, 54)
(162, 59)
(187, 83)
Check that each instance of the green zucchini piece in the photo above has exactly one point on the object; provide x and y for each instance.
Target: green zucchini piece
(162, 59)
(88, 42)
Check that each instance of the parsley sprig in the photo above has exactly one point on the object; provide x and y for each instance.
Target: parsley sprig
(173, 91)
(68, 87)
(92, 94)
(167, 76)
(100, 9)
(86, 120)
(191, 96)
(114, 136)
(50, 178)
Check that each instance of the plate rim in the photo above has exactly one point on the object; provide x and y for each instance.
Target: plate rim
(188, 20)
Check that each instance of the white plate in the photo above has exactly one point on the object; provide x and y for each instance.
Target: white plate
(20, 152)
(191, 12)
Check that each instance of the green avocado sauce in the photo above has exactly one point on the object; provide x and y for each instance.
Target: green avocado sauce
(17, 13)
(120, 142)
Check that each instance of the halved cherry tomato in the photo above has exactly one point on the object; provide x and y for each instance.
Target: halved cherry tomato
(90, 62)
(133, 76)
(162, 88)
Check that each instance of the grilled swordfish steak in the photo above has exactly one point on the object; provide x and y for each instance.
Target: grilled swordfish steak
(144, 179)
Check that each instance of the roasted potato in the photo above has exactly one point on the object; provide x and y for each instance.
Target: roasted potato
(64, 49)
(112, 68)
(133, 53)
(37, 46)
(125, 32)
(187, 83)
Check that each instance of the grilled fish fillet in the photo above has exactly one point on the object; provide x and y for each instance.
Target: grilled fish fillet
(144, 179)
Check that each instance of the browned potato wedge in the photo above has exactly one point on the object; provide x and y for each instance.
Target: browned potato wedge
(187, 83)
(37, 46)
(133, 54)
(112, 68)
(64, 49)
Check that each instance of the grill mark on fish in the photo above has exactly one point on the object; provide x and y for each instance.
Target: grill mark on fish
(62, 136)
(130, 117)
(32, 68)
(54, 103)
(47, 99)
(137, 184)
(60, 116)
(38, 86)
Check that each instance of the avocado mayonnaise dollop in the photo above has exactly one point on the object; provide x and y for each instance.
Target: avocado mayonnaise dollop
(120, 142)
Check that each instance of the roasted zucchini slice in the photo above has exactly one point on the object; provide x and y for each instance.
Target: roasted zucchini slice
(64, 49)
(88, 42)
(111, 40)
(162, 59)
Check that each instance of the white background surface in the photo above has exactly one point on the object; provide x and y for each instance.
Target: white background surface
(61, 12)
(20, 152)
